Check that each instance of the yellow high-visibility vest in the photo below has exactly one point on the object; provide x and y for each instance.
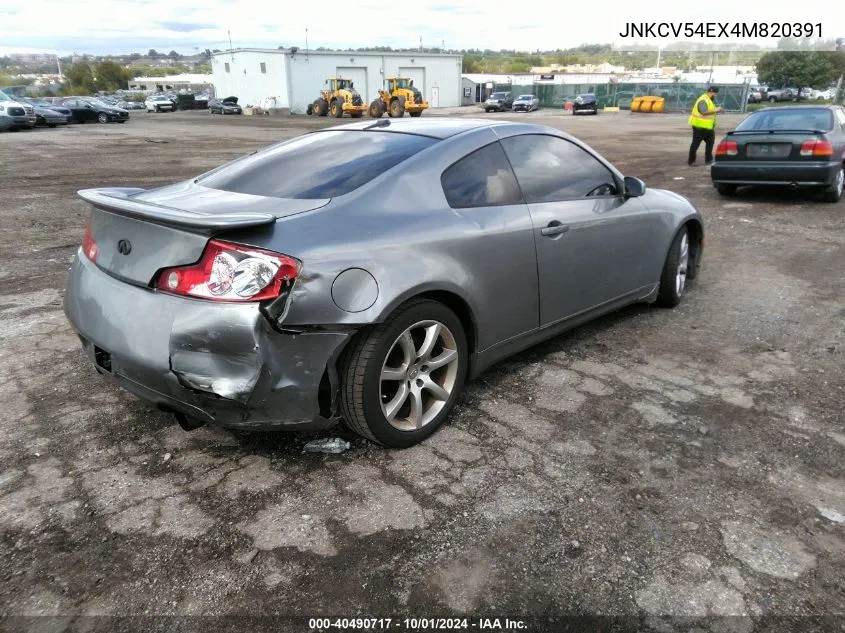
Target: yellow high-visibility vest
(706, 122)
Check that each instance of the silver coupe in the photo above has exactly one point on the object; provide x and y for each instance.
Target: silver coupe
(364, 272)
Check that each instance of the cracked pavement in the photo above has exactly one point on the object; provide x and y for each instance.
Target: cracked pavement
(654, 463)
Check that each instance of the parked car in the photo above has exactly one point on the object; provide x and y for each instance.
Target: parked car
(795, 146)
(15, 115)
(46, 102)
(756, 94)
(50, 118)
(229, 105)
(87, 109)
(132, 105)
(159, 103)
(526, 103)
(280, 297)
(586, 103)
(499, 102)
(781, 94)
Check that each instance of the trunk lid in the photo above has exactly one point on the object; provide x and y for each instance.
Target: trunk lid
(772, 145)
(139, 232)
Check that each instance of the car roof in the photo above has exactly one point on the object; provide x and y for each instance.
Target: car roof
(437, 127)
(808, 106)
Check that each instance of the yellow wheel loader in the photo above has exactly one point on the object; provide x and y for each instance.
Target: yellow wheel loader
(340, 98)
(400, 96)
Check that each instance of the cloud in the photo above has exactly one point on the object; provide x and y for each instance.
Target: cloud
(138, 25)
(186, 27)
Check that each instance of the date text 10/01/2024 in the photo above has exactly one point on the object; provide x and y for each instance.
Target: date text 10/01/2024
(721, 29)
(417, 624)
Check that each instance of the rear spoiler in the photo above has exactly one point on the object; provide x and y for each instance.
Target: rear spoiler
(118, 200)
(733, 132)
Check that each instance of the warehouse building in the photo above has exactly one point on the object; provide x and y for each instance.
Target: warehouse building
(179, 83)
(293, 78)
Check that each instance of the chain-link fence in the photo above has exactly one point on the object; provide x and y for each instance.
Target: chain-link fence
(680, 97)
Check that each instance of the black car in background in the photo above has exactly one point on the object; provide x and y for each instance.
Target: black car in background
(86, 109)
(229, 105)
(499, 102)
(794, 146)
(586, 103)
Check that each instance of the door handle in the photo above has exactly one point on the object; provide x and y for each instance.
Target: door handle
(554, 228)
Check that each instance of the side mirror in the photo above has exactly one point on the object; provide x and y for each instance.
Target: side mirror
(634, 187)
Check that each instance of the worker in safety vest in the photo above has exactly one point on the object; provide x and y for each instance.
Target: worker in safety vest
(703, 122)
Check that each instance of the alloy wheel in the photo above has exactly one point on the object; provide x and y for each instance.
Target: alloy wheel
(683, 262)
(418, 375)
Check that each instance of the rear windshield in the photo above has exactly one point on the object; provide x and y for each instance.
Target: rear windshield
(318, 165)
(794, 119)
(526, 97)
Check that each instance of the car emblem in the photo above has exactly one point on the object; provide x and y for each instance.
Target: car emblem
(124, 247)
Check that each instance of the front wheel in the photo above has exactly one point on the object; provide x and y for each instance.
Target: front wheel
(103, 117)
(401, 379)
(375, 110)
(834, 192)
(673, 281)
(726, 190)
(416, 114)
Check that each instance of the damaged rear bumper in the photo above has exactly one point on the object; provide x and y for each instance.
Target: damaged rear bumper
(216, 362)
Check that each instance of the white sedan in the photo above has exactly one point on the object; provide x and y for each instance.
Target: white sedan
(159, 103)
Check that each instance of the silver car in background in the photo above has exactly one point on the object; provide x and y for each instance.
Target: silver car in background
(526, 103)
(365, 271)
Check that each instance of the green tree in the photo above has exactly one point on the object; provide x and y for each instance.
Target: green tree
(80, 78)
(801, 69)
(517, 67)
(153, 53)
(111, 76)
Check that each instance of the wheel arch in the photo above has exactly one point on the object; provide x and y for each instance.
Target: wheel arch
(330, 382)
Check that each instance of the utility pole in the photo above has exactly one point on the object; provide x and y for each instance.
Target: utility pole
(306, 43)
(59, 66)
(421, 50)
(231, 48)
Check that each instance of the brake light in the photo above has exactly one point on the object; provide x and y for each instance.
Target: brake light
(816, 148)
(229, 272)
(89, 246)
(727, 148)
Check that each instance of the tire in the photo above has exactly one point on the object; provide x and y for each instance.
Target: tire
(336, 109)
(834, 192)
(375, 110)
(772, 99)
(673, 280)
(310, 109)
(102, 117)
(726, 190)
(397, 109)
(321, 107)
(52, 124)
(40, 121)
(416, 114)
(362, 397)
(356, 115)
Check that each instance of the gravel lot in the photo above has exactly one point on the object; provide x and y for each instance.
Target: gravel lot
(655, 463)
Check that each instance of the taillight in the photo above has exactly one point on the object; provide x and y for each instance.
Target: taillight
(816, 148)
(89, 246)
(229, 272)
(727, 148)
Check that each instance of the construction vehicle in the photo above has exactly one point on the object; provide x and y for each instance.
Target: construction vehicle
(340, 98)
(399, 97)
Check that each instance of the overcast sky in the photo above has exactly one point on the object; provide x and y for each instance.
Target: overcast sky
(125, 26)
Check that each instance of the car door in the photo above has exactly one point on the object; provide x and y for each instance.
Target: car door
(592, 242)
(481, 189)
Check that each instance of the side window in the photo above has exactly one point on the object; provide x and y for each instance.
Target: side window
(481, 179)
(549, 168)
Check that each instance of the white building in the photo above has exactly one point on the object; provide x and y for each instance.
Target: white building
(294, 77)
(187, 83)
